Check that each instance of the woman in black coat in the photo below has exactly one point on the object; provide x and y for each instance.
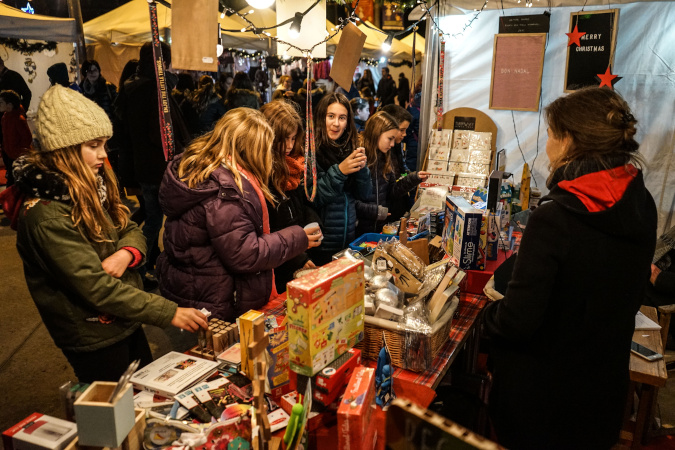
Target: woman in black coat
(561, 335)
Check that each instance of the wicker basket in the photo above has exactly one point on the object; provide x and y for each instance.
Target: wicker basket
(374, 328)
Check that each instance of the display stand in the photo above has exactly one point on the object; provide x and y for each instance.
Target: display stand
(483, 122)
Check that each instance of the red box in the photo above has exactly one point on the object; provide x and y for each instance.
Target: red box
(355, 410)
(337, 372)
(38, 432)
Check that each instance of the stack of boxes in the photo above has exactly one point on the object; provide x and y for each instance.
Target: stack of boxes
(465, 233)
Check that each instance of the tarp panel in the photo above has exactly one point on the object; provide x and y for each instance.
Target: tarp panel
(15, 23)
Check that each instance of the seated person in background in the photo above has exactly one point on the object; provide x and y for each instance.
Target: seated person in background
(16, 136)
(388, 189)
(661, 287)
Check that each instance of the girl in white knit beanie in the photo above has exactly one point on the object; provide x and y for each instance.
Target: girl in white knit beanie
(79, 248)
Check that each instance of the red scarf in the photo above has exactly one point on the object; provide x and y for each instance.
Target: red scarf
(265, 214)
(296, 169)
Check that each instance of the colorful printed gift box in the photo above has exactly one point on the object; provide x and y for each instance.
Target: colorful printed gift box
(325, 314)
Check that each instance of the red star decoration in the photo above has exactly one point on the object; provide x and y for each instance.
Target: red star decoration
(574, 37)
(607, 79)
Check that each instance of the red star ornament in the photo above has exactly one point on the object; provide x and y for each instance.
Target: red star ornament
(607, 79)
(574, 37)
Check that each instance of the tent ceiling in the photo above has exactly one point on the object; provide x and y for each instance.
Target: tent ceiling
(18, 24)
(400, 49)
(449, 7)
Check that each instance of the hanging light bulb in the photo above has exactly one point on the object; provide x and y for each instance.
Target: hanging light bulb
(222, 15)
(386, 45)
(260, 4)
(294, 31)
(219, 46)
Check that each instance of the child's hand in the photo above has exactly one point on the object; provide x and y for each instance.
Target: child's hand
(309, 265)
(423, 175)
(189, 319)
(314, 236)
(354, 162)
(117, 263)
(655, 273)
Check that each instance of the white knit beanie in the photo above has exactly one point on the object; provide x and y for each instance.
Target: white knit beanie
(66, 118)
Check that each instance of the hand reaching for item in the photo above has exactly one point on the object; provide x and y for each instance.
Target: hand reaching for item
(309, 265)
(189, 319)
(354, 162)
(423, 175)
(117, 263)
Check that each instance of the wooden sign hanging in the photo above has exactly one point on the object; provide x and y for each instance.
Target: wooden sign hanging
(517, 67)
(596, 51)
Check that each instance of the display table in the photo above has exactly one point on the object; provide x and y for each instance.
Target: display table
(652, 375)
(417, 387)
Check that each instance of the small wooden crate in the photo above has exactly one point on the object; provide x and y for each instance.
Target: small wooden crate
(133, 441)
(100, 423)
(371, 344)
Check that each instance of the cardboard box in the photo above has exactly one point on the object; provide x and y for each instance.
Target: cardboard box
(278, 361)
(325, 314)
(449, 225)
(103, 424)
(38, 431)
(466, 235)
(403, 279)
(355, 410)
(245, 323)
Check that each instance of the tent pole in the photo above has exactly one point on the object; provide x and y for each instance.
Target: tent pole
(75, 12)
(427, 112)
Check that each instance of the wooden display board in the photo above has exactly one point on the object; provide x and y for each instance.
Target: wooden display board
(517, 67)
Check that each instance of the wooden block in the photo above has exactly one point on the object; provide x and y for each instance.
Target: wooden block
(256, 347)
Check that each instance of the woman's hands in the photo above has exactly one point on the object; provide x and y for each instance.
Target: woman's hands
(423, 175)
(117, 263)
(354, 162)
(189, 319)
(309, 265)
(314, 236)
(655, 273)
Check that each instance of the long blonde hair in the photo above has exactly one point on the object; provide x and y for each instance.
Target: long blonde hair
(88, 214)
(241, 138)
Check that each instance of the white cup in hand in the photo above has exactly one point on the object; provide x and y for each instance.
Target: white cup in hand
(314, 225)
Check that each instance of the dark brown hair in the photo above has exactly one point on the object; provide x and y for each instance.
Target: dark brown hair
(600, 126)
(321, 135)
(377, 124)
(284, 120)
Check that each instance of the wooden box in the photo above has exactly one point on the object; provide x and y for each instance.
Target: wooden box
(103, 424)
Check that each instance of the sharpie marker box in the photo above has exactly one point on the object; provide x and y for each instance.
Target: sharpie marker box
(37, 432)
(466, 240)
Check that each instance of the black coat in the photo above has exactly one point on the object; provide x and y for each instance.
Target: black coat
(237, 98)
(292, 210)
(386, 90)
(561, 335)
(388, 191)
(13, 81)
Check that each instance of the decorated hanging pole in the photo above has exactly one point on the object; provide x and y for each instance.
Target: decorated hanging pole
(441, 72)
(310, 149)
(412, 78)
(165, 125)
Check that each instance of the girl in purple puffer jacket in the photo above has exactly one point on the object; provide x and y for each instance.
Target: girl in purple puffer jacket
(219, 252)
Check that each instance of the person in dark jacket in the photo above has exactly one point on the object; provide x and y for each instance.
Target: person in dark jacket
(411, 139)
(219, 250)
(80, 251)
(366, 81)
(140, 112)
(96, 88)
(342, 175)
(58, 74)
(403, 90)
(388, 188)
(11, 80)
(361, 110)
(398, 157)
(182, 95)
(291, 206)
(561, 335)
(386, 89)
(241, 93)
(208, 104)
(317, 94)
(16, 137)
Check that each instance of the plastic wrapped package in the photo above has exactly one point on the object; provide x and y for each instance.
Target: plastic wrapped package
(405, 256)
(415, 323)
(471, 180)
(460, 155)
(480, 140)
(461, 139)
(480, 156)
(478, 169)
(456, 167)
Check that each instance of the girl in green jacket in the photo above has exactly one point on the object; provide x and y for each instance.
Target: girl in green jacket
(79, 248)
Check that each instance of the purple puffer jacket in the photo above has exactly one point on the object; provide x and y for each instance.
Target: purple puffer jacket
(215, 253)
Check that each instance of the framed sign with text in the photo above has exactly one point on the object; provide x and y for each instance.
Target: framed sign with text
(517, 66)
(597, 30)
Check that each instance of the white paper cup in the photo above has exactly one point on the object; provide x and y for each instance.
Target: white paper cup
(314, 225)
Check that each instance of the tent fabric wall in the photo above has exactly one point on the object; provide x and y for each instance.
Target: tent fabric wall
(645, 58)
(18, 24)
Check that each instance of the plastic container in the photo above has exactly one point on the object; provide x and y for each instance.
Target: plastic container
(370, 237)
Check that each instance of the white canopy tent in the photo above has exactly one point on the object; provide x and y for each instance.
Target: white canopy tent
(18, 24)
(644, 57)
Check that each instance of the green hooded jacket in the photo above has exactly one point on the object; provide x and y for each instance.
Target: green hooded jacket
(83, 307)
